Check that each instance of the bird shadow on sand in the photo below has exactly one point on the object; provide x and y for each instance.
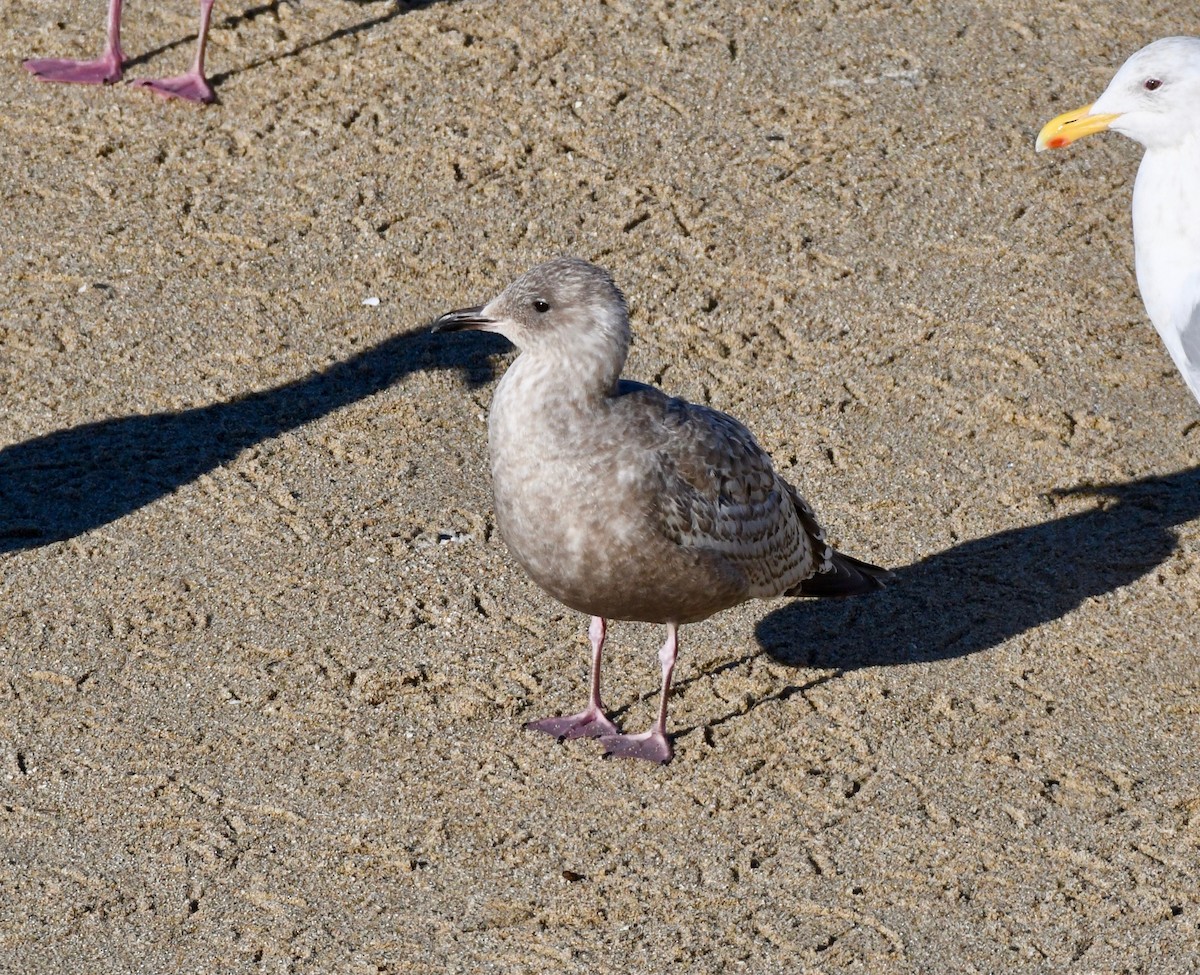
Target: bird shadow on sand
(973, 596)
(978, 594)
(71, 481)
(395, 8)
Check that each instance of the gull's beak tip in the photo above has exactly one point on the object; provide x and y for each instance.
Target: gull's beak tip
(461, 320)
(1061, 131)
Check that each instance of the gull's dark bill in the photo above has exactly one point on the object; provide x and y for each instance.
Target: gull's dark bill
(461, 320)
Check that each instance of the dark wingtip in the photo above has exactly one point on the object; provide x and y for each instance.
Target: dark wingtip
(847, 576)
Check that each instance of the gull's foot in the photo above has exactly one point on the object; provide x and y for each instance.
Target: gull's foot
(102, 71)
(190, 87)
(591, 723)
(653, 746)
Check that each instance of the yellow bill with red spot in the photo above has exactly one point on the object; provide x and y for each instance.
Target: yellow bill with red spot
(1069, 126)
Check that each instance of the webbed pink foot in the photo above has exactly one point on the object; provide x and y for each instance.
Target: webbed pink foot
(191, 87)
(592, 723)
(102, 71)
(653, 746)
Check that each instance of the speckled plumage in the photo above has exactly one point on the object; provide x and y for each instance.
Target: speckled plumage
(623, 502)
(637, 506)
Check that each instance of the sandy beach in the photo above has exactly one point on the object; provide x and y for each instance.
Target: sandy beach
(264, 658)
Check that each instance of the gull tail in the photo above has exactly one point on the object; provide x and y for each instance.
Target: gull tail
(847, 576)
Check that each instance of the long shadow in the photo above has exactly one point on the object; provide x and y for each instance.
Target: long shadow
(232, 21)
(397, 9)
(976, 595)
(74, 480)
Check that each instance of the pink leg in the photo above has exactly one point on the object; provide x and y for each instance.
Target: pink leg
(652, 745)
(105, 70)
(592, 721)
(193, 86)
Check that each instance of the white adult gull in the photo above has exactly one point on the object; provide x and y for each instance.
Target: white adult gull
(1155, 100)
(625, 503)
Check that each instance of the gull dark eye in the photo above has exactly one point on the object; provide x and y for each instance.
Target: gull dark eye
(541, 306)
(1152, 84)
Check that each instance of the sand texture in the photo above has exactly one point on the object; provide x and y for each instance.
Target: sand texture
(264, 658)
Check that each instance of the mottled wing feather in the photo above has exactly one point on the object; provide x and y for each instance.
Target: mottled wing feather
(720, 494)
(812, 528)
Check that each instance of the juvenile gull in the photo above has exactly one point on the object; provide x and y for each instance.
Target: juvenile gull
(625, 503)
(1155, 100)
(109, 67)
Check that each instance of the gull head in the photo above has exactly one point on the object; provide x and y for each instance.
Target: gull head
(565, 305)
(1154, 99)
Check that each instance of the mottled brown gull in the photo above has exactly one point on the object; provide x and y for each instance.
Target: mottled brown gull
(625, 503)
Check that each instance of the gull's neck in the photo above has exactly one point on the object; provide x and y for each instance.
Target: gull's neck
(573, 371)
(543, 397)
(1166, 232)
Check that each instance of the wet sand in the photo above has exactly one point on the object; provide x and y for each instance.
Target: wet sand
(264, 658)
